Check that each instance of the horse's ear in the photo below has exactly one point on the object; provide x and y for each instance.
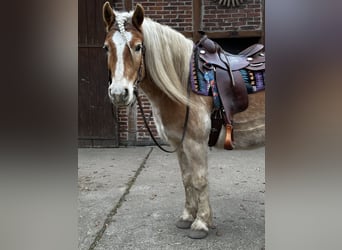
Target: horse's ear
(138, 16)
(108, 15)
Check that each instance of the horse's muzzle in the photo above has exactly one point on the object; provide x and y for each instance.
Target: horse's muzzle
(121, 98)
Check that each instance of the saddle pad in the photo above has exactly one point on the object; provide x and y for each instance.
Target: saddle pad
(254, 80)
(204, 83)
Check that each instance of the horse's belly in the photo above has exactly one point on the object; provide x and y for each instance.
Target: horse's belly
(249, 125)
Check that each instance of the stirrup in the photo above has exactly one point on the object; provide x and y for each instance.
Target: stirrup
(228, 142)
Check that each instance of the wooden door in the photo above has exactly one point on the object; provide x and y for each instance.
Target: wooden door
(97, 118)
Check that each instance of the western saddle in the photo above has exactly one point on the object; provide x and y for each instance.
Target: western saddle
(230, 84)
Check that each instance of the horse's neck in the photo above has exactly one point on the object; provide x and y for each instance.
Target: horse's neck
(152, 92)
(167, 59)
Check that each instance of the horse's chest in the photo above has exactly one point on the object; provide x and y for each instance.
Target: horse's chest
(158, 121)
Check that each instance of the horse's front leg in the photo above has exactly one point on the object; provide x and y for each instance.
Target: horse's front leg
(191, 204)
(193, 161)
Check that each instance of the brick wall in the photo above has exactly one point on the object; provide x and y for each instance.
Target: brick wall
(248, 16)
(176, 14)
(179, 15)
(117, 5)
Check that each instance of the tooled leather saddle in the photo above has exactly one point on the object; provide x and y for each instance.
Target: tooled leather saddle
(230, 86)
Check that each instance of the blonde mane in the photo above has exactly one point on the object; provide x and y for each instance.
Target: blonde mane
(167, 59)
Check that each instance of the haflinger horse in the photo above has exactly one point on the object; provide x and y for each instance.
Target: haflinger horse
(155, 58)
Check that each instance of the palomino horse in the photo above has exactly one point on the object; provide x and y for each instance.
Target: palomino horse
(155, 58)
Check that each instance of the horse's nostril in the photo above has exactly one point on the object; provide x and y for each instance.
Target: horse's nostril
(118, 95)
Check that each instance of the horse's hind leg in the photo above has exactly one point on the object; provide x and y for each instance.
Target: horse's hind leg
(194, 165)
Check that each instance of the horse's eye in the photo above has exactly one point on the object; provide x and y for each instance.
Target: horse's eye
(138, 48)
(105, 47)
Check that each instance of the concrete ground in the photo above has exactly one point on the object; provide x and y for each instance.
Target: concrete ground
(130, 198)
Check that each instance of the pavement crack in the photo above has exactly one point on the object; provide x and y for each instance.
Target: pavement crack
(122, 199)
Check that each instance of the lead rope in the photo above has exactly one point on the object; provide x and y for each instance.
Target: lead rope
(136, 86)
(149, 129)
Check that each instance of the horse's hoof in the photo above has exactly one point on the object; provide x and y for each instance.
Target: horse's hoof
(198, 234)
(183, 224)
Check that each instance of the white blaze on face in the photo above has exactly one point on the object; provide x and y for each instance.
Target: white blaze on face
(121, 45)
(120, 84)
